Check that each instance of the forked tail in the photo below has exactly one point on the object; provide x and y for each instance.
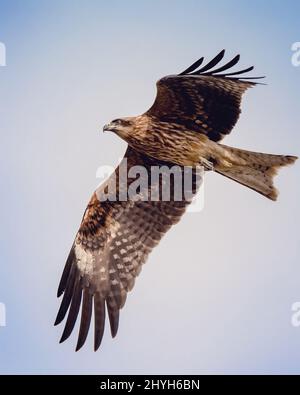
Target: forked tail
(252, 169)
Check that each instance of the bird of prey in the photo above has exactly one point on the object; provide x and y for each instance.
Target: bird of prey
(192, 112)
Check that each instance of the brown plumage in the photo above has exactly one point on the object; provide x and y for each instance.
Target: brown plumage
(192, 112)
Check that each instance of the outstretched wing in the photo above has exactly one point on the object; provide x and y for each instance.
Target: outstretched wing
(114, 240)
(206, 99)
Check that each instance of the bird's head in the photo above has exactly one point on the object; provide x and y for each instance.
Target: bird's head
(120, 126)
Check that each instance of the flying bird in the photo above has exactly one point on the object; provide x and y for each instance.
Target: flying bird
(192, 112)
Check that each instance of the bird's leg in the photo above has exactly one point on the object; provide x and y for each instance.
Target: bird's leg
(207, 164)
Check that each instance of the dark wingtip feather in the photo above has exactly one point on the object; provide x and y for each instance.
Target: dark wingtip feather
(114, 321)
(86, 313)
(252, 78)
(245, 80)
(73, 312)
(206, 70)
(99, 314)
(226, 66)
(57, 321)
(212, 63)
(65, 274)
(193, 67)
(237, 72)
(65, 303)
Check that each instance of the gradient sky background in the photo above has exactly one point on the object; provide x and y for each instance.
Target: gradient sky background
(216, 295)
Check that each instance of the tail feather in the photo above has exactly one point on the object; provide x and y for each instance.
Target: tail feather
(253, 169)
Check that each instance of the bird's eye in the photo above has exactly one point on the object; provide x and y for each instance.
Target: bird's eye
(117, 121)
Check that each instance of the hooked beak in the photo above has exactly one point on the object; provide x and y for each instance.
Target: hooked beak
(107, 128)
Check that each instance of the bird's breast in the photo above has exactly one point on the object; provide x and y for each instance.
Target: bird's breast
(183, 148)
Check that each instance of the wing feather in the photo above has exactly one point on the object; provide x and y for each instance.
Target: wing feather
(86, 314)
(113, 241)
(237, 72)
(202, 100)
(68, 293)
(212, 63)
(66, 272)
(99, 313)
(226, 66)
(193, 67)
(74, 309)
(113, 314)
